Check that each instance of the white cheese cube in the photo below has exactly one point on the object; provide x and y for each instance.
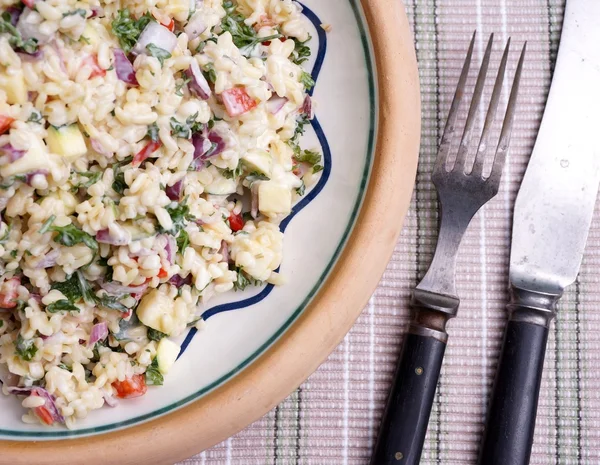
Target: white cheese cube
(258, 160)
(166, 354)
(36, 158)
(274, 198)
(13, 85)
(156, 311)
(66, 141)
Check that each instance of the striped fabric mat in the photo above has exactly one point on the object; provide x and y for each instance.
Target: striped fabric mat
(333, 418)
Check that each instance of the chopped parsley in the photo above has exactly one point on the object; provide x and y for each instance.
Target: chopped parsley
(92, 178)
(6, 235)
(307, 80)
(76, 288)
(15, 39)
(244, 280)
(110, 302)
(119, 185)
(301, 190)
(71, 235)
(46, 226)
(234, 173)
(301, 51)
(181, 84)
(155, 335)
(209, 73)
(179, 214)
(152, 132)
(308, 156)
(35, 117)
(26, 348)
(153, 375)
(186, 129)
(79, 11)
(243, 35)
(183, 241)
(159, 53)
(128, 29)
(62, 305)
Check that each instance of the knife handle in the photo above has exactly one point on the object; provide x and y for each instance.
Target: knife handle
(510, 423)
(404, 423)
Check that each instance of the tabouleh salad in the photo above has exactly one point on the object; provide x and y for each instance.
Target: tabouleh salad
(149, 150)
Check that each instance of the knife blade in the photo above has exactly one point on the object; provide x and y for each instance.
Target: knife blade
(553, 213)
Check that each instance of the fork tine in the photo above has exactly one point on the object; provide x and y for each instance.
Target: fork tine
(491, 114)
(450, 127)
(463, 148)
(507, 125)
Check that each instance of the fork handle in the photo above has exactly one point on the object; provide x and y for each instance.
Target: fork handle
(404, 423)
(510, 423)
(406, 416)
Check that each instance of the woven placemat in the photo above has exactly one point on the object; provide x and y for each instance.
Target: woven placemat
(332, 418)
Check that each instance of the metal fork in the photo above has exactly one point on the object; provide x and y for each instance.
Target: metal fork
(461, 193)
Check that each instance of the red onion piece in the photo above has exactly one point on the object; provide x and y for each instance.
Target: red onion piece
(174, 191)
(170, 248)
(29, 28)
(157, 35)
(99, 333)
(205, 148)
(57, 48)
(198, 84)
(115, 289)
(13, 153)
(50, 404)
(195, 26)
(178, 281)
(97, 11)
(105, 236)
(307, 108)
(49, 260)
(111, 401)
(224, 252)
(275, 104)
(124, 68)
(99, 148)
(14, 13)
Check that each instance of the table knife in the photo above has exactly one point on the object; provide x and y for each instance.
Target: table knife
(552, 217)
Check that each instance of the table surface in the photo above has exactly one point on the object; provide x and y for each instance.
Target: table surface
(333, 417)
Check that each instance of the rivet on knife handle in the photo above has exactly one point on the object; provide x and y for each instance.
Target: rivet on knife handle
(461, 194)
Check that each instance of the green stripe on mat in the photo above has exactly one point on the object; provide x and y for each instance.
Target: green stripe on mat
(426, 38)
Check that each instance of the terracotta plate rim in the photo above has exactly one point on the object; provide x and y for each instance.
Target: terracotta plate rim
(321, 327)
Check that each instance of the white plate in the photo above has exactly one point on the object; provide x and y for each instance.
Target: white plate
(317, 230)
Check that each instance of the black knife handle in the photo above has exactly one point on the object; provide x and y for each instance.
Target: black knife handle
(406, 416)
(404, 423)
(510, 423)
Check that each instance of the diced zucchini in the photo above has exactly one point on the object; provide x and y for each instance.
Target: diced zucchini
(139, 231)
(166, 354)
(258, 160)
(274, 198)
(66, 141)
(221, 186)
(13, 85)
(36, 158)
(90, 35)
(156, 311)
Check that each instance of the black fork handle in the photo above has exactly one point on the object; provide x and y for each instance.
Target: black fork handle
(404, 423)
